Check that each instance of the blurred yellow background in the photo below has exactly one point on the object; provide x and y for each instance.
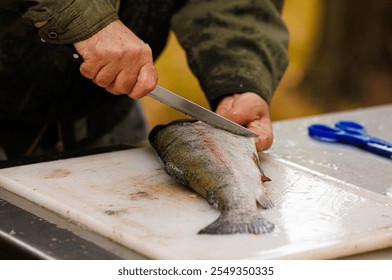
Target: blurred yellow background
(302, 19)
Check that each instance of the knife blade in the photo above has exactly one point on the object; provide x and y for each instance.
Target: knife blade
(190, 108)
(200, 113)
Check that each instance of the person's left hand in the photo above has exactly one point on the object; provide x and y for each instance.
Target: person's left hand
(250, 110)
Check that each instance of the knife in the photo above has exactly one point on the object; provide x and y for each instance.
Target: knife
(197, 112)
(189, 108)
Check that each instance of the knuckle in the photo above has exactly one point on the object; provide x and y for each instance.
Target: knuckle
(148, 50)
(116, 53)
(135, 50)
(144, 53)
(111, 55)
(103, 81)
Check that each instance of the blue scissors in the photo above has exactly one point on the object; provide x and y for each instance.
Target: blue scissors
(351, 133)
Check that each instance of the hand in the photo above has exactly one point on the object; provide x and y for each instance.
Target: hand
(117, 60)
(250, 110)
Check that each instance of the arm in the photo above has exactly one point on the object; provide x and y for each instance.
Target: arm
(236, 47)
(123, 67)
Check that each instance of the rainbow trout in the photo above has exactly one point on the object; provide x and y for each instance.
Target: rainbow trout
(222, 167)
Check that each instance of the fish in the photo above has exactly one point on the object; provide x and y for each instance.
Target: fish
(222, 167)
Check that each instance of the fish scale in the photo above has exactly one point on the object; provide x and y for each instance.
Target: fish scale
(220, 166)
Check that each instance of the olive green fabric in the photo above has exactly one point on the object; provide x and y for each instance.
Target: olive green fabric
(68, 21)
(234, 46)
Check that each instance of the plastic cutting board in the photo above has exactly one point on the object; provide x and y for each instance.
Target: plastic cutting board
(127, 197)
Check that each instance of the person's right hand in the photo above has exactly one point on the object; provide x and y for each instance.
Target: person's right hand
(117, 60)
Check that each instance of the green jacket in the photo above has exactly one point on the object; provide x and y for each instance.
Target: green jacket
(232, 46)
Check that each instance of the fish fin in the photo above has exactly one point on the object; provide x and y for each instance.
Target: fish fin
(265, 178)
(264, 201)
(256, 160)
(233, 223)
(212, 199)
(176, 172)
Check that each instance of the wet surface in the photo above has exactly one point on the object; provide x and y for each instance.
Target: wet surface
(133, 202)
(343, 162)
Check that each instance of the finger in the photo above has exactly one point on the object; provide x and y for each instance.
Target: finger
(90, 69)
(264, 129)
(106, 75)
(147, 80)
(123, 83)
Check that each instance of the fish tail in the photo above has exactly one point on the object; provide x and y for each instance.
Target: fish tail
(230, 223)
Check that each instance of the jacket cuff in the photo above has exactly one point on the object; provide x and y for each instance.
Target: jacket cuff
(77, 22)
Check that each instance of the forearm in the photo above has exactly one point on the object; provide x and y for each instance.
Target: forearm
(65, 21)
(233, 46)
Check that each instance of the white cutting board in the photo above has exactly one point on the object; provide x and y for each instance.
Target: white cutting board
(127, 197)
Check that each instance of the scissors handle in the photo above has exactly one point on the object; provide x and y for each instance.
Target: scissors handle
(355, 128)
(331, 134)
(351, 133)
(372, 144)
(350, 126)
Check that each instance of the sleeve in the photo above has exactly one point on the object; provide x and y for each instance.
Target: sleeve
(233, 46)
(65, 21)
